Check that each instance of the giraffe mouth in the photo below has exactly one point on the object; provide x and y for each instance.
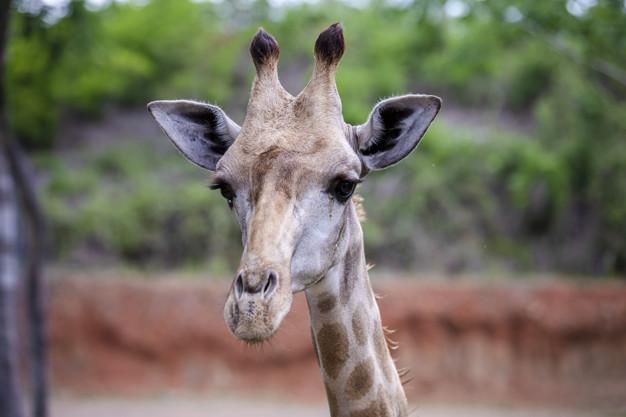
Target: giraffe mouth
(255, 306)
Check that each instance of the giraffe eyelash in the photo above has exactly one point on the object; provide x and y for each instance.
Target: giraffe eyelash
(225, 189)
(217, 183)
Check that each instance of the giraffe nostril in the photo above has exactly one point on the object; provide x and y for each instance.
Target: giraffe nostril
(239, 285)
(264, 286)
(271, 284)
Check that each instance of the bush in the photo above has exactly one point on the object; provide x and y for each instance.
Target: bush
(550, 197)
(117, 204)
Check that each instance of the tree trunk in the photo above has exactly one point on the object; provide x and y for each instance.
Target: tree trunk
(10, 393)
(16, 179)
(35, 299)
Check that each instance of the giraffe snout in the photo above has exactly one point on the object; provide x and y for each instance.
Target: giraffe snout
(259, 299)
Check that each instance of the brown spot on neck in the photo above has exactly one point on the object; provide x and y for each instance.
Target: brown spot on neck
(332, 341)
(361, 379)
(382, 406)
(327, 303)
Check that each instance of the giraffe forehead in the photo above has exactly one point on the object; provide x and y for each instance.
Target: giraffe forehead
(289, 157)
(293, 130)
(305, 139)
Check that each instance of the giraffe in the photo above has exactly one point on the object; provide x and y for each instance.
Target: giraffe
(289, 174)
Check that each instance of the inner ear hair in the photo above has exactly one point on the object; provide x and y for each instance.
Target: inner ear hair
(390, 129)
(394, 129)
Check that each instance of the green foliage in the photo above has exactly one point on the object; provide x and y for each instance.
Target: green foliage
(117, 203)
(549, 196)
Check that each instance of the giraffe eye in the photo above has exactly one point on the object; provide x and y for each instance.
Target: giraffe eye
(343, 189)
(226, 192)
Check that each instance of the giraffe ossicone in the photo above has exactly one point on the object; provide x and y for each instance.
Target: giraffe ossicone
(289, 174)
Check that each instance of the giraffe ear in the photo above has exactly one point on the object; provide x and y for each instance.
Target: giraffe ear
(201, 132)
(394, 129)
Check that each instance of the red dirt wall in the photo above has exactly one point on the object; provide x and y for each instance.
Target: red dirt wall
(551, 343)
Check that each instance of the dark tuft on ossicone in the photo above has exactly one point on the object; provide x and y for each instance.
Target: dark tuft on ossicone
(330, 45)
(264, 49)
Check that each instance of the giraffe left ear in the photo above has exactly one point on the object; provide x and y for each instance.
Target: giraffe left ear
(201, 132)
(394, 129)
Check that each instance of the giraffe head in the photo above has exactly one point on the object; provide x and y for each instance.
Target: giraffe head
(288, 174)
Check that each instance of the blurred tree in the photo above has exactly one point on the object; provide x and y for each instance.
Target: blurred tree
(10, 391)
(16, 188)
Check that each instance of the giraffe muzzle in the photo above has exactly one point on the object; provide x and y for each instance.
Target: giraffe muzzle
(256, 304)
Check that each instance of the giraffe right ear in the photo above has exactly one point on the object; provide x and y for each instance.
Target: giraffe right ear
(201, 132)
(394, 129)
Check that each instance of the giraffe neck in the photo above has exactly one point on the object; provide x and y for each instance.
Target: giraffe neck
(359, 374)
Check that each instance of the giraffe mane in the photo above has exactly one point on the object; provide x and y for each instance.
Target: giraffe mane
(394, 345)
(360, 211)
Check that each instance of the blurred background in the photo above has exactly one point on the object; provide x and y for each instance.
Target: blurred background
(511, 212)
(524, 170)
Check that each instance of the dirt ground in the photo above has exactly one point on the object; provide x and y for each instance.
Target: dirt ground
(159, 346)
(232, 406)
